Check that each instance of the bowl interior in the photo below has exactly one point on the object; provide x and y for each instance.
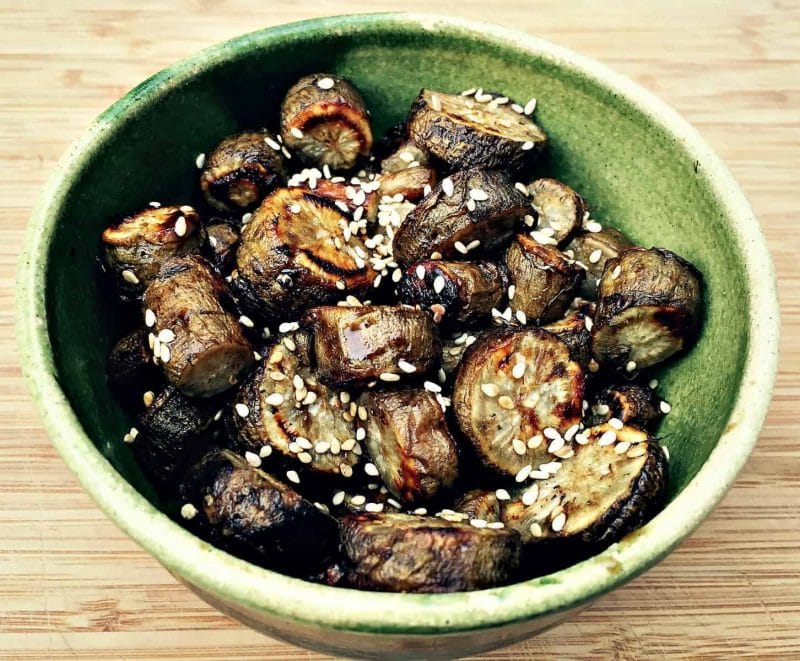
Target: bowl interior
(634, 175)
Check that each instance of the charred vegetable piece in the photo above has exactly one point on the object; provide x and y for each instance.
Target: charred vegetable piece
(257, 517)
(356, 345)
(324, 120)
(515, 389)
(287, 417)
(407, 156)
(130, 370)
(136, 248)
(593, 250)
(575, 331)
(293, 254)
(630, 403)
(408, 440)
(560, 209)
(544, 280)
(222, 243)
(612, 485)
(648, 309)
(198, 342)
(465, 132)
(351, 196)
(479, 504)
(471, 211)
(403, 553)
(172, 432)
(467, 291)
(241, 171)
(412, 183)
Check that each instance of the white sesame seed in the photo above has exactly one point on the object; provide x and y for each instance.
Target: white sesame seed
(469, 92)
(246, 218)
(130, 277)
(502, 494)
(505, 402)
(622, 448)
(148, 397)
(607, 438)
(325, 83)
(664, 407)
(521, 317)
(180, 226)
(166, 335)
(361, 434)
(305, 457)
(518, 371)
(496, 525)
(396, 275)
(478, 195)
(630, 366)
(430, 386)
(529, 220)
(517, 108)
(407, 367)
(490, 389)
(200, 161)
(530, 496)
(242, 410)
(473, 244)
(527, 145)
(438, 284)
(292, 476)
(588, 323)
(436, 103)
(304, 443)
(593, 226)
(371, 469)
(188, 511)
(274, 145)
(523, 473)
(358, 500)
(374, 507)
(536, 529)
(212, 241)
(551, 433)
(581, 439)
(530, 107)
(615, 273)
(535, 441)
(389, 377)
(421, 511)
(666, 451)
(288, 327)
(253, 459)
(653, 384)
(558, 523)
(265, 451)
(338, 498)
(556, 445)
(477, 523)
(460, 247)
(616, 423)
(595, 256)
(362, 415)
(165, 354)
(519, 447)
(539, 475)
(149, 318)
(636, 451)
(447, 186)
(471, 205)
(296, 132)
(134, 432)
(275, 399)
(420, 271)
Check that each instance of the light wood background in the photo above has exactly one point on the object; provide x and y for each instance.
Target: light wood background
(72, 586)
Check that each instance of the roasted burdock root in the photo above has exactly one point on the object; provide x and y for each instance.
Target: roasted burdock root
(295, 253)
(464, 292)
(130, 370)
(222, 243)
(289, 420)
(515, 391)
(470, 212)
(403, 553)
(481, 504)
(197, 341)
(349, 197)
(172, 432)
(325, 122)
(559, 208)
(412, 183)
(354, 346)
(464, 132)
(575, 331)
(135, 248)
(649, 308)
(242, 170)
(615, 482)
(255, 516)
(544, 280)
(409, 443)
(593, 250)
(630, 403)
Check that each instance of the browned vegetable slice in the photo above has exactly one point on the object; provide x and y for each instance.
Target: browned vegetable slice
(544, 279)
(408, 440)
(241, 170)
(630, 403)
(470, 212)
(199, 344)
(223, 241)
(403, 553)
(593, 250)
(412, 183)
(467, 291)
(130, 370)
(325, 121)
(514, 390)
(256, 516)
(481, 504)
(286, 417)
(612, 485)
(466, 132)
(136, 247)
(575, 331)
(560, 209)
(356, 345)
(648, 309)
(297, 252)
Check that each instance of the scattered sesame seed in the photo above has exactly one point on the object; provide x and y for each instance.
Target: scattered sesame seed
(430, 386)
(371, 469)
(358, 500)
(265, 451)
(438, 284)
(512, 290)
(617, 270)
(305, 458)
(535, 441)
(246, 321)
(551, 433)
(523, 473)
(212, 241)
(246, 218)
(292, 476)
(436, 103)
(166, 335)
(460, 247)
(502, 494)
(188, 511)
(496, 525)
(242, 410)
(556, 445)
(420, 271)
(665, 407)
(595, 256)
(666, 451)
(253, 459)
(288, 327)
(149, 318)
(180, 226)
(200, 161)
(616, 423)
(407, 367)
(148, 397)
(477, 523)
(165, 354)
(607, 438)
(519, 447)
(636, 451)
(521, 317)
(593, 226)
(527, 145)
(274, 145)
(630, 366)
(536, 529)
(653, 384)
(389, 377)
(473, 244)
(130, 277)
(622, 448)
(539, 475)
(490, 389)
(374, 507)
(558, 523)
(603, 409)
(361, 434)
(296, 132)
(530, 496)
(505, 402)
(518, 371)
(478, 195)
(530, 107)
(275, 399)
(469, 92)
(338, 498)
(588, 323)
(471, 205)
(362, 415)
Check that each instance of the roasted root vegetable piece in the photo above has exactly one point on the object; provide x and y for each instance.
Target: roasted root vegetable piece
(408, 440)
(197, 341)
(515, 391)
(408, 155)
(325, 122)
(461, 291)
(412, 183)
(630, 403)
(481, 504)
(465, 132)
(242, 170)
(130, 370)
(559, 208)
(648, 308)
(575, 331)
(593, 250)
(286, 417)
(222, 243)
(293, 254)
(403, 553)
(613, 484)
(471, 211)
(349, 197)
(256, 516)
(135, 248)
(544, 280)
(356, 345)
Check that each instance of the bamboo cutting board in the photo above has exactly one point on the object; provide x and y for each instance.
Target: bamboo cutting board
(72, 586)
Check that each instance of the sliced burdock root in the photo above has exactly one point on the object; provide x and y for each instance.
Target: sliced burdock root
(467, 213)
(630, 403)
(297, 251)
(593, 250)
(325, 122)
(130, 370)
(405, 553)
(648, 308)
(412, 183)
(464, 132)
(559, 208)
(480, 504)
(241, 170)
(515, 392)
(409, 443)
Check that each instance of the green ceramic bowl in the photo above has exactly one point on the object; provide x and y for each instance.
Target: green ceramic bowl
(643, 168)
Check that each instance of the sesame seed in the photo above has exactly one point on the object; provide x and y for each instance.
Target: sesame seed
(148, 397)
(570, 433)
(653, 384)
(616, 423)
(389, 377)
(556, 445)
(519, 447)
(490, 389)
(246, 321)
(607, 438)
(447, 186)
(536, 529)
(288, 327)
(292, 476)
(441, 375)
(362, 414)
(517, 108)
(166, 335)
(521, 317)
(361, 434)
(581, 439)
(305, 458)
(630, 366)
(558, 523)
(420, 271)
(622, 448)
(253, 459)
(505, 402)
(325, 83)
(477, 523)
(471, 205)
(274, 145)
(478, 195)
(535, 441)
(460, 247)
(529, 220)
(180, 226)
(529, 107)
(502, 494)
(374, 507)
(518, 371)
(530, 496)
(200, 161)
(149, 318)
(338, 498)
(523, 473)
(636, 451)
(539, 475)
(265, 451)
(130, 277)
(666, 451)
(496, 525)
(615, 273)
(371, 469)
(165, 354)
(246, 218)
(593, 226)
(473, 244)
(588, 323)
(358, 500)
(275, 399)
(603, 409)
(212, 241)
(438, 284)
(407, 367)
(469, 92)
(188, 511)
(551, 433)
(430, 386)
(296, 132)
(436, 103)
(595, 256)
(276, 357)
(512, 290)
(242, 410)
(664, 407)
(421, 511)
(527, 145)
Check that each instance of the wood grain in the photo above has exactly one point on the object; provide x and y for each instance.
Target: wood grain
(72, 586)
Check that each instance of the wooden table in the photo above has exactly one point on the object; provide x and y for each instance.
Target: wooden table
(73, 586)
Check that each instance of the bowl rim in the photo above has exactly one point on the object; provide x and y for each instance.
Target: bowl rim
(261, 590)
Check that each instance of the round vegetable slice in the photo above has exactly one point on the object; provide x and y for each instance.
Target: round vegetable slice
(560, 209)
